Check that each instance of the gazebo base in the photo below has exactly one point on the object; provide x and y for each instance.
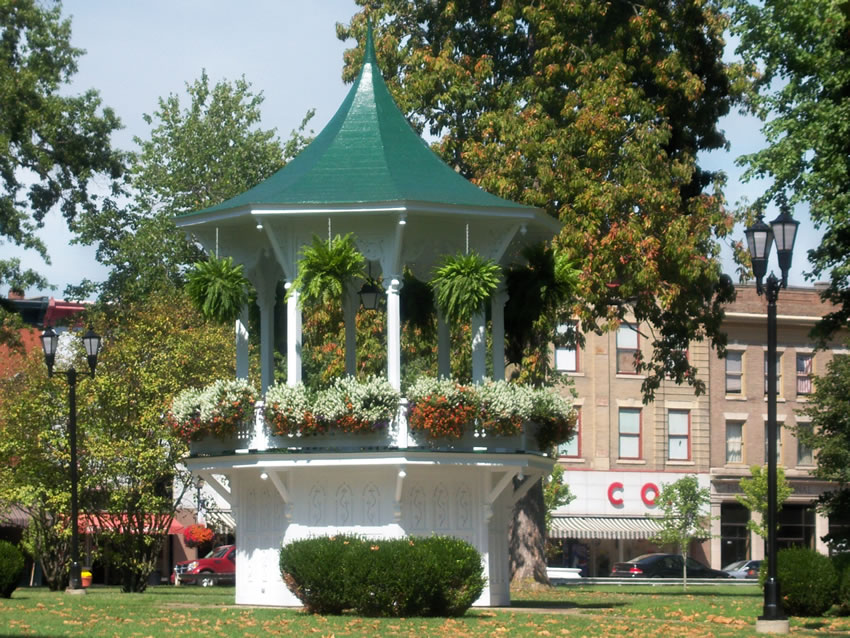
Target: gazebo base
(282, 498)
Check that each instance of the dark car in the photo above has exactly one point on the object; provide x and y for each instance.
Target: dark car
(663, 566)
(743, 569)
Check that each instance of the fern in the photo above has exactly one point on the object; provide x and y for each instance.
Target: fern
(218, 289)
(463, 283)
(325, 267)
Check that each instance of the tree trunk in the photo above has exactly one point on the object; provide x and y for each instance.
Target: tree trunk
(527, 540)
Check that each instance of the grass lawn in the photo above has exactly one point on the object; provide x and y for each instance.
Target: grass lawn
(562, 611)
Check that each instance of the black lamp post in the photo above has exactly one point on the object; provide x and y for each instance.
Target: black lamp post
(91, 342)
(760, 236)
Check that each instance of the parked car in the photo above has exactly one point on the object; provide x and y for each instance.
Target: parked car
(663, 566)
(219, 566)
(743, 569)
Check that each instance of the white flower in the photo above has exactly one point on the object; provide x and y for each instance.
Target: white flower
(68, 350)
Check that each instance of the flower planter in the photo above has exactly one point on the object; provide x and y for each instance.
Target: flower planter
(380, 438)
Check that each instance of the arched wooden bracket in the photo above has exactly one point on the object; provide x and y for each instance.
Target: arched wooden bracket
(496, 491)
(280, 480)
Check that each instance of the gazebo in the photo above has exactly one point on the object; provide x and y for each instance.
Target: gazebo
(367, 173)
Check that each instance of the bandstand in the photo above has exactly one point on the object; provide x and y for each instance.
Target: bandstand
(370, 174)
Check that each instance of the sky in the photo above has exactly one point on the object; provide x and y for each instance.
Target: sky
(137, 52)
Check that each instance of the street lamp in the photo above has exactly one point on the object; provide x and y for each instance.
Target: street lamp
(91, 343)
(760, 236)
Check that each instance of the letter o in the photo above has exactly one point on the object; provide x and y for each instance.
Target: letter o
(649, 487)
(614, 487)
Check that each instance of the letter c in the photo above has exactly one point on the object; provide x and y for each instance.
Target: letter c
(615, 487)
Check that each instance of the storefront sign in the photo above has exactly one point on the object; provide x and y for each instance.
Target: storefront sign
(648, 493)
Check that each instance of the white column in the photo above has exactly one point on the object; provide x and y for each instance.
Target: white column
(349, 314)
(821, 530)
(497, 305)
(265, 300)
(293, 338)
(444, 347)
(479, 347)
(242, 361)
(393, 333)
(757, 542)
(715, 542)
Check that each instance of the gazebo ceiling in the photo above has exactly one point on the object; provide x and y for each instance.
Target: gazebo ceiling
(366, 172)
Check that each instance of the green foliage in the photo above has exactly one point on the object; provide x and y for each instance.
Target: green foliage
(596, 112)
(539, 293)
(34, 457)
(841, 568)
(555, 493)
(314, 569)
(462, 283)
(54, 145)
(150, 352)
(436, 576)
(198, 154)
(828, 435)
(797, 53)
(325, 269)
(11, 568)
(753, 496)
(218, 289)
(682, 504)
(808, 580)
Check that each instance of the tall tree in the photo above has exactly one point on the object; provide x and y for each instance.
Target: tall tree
(799, 53)
(151, 350)
(198, 155)
(594, 112)
(683, 506)
(828, 435)
(52, 145)
(34, 463)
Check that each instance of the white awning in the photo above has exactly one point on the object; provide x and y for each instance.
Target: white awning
(220, 520)
(627, 527)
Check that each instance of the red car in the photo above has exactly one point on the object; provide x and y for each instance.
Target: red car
(219, 566)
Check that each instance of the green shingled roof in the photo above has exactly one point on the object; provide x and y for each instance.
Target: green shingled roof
(367, 153)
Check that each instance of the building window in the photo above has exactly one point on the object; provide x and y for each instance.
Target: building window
(778, 441)
(678, 435)
(572, 448)
(804, 373)
(734, 372)
(778, 373)
(735, 442)
(804, 452)
(627, 349)
(629, 433)
(566, 350)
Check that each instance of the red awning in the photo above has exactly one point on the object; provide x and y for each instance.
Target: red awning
(91, 523)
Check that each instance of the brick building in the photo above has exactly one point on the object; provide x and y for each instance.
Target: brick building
(625, 450)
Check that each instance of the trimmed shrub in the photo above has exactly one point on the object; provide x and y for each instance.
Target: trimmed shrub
(844, 591)
(808, 581)
(11, 568)
(436, 576)
(314, 570)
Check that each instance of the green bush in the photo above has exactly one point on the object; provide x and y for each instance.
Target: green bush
(313, 569)
(808, 581)
(841, 562)
(11, 568)
(437, 576)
